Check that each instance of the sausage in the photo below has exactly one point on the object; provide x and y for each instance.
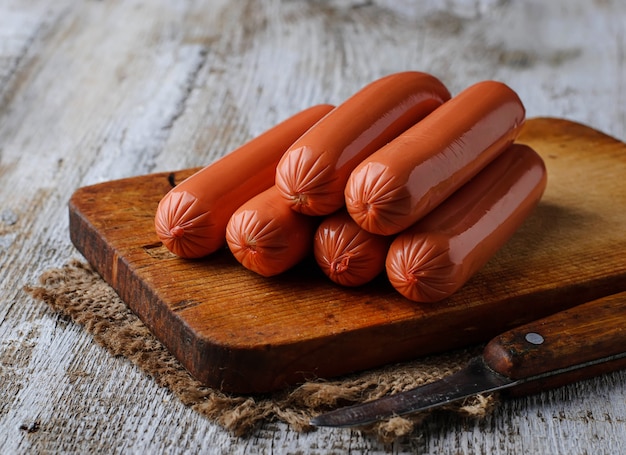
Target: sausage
(404, 180)
(191, 219)
(346, 253)
(267, 237)
(313, 173)
(437, 256)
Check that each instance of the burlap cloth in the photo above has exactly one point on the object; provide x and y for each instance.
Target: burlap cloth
(77, 291)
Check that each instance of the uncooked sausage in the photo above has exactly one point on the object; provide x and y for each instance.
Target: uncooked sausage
(313, 173)
(435, 257)
(191, 219)
(267, 237)
(394, 187)
(346, 253)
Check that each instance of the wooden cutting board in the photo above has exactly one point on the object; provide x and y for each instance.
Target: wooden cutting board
(243, 333)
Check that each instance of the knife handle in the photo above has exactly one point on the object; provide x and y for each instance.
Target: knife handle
(586, 333)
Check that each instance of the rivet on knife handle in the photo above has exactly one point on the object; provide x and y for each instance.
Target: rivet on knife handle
(580, 342)
(572, 337)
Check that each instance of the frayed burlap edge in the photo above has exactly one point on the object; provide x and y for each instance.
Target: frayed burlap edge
(77, 291)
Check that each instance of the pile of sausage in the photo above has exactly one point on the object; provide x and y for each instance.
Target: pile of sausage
(400, 178)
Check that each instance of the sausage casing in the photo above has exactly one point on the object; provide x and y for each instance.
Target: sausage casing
(267, 237)
(346, 253)
(313, 173)
(394, 187)
(435, 257)
(191, 219)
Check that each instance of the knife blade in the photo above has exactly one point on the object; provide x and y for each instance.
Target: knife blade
(574, 344)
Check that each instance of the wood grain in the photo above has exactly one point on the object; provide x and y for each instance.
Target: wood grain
(92, 91)
(244, 333)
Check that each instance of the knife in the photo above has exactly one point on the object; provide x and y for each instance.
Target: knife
(574, 344)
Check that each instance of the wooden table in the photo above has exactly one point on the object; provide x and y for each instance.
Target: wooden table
(93, 91)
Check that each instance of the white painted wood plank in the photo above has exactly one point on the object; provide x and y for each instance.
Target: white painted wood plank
(92, 91)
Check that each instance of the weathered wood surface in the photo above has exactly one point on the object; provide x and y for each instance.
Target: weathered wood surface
(92, 91)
